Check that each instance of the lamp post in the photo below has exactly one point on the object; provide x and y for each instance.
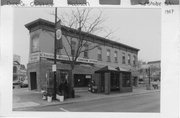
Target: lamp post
(54, 96)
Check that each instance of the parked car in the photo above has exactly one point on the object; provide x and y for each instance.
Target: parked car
(15, 83)
(24, 84)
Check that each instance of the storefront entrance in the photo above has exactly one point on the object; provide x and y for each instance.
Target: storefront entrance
(82, 80)
(33, 79)
(115, 81)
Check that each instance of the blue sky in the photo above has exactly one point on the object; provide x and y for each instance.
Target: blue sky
(140, 28)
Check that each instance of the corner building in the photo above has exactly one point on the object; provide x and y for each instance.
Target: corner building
(109, 55)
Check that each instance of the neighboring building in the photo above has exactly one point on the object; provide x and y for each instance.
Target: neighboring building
(19, 70)
(150, 70)
(155, 67)
(156, 64)
(108, 53)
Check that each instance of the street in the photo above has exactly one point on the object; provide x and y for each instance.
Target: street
(135, 103)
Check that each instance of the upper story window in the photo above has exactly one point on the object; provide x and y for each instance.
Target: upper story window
(129, 59)
(86, 51)
(35, 44)
(99, 56)
(73, 48)
(123, 58)
(115, 56)
(108, 55)
(134, 60)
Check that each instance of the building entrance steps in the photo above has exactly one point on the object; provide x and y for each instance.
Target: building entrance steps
(23, 96)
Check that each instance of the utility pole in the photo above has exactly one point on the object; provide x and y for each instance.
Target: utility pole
(54, 96)
(149, 77)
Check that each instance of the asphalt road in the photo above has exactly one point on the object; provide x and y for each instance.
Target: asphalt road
(136, 103)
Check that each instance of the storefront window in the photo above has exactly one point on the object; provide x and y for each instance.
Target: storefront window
(126, 80)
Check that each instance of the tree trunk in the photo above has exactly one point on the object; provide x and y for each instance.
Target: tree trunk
(71, 83)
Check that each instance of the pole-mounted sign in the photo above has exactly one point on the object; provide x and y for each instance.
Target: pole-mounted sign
(58, 35)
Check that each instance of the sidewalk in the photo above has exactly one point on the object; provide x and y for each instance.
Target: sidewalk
(25, 98)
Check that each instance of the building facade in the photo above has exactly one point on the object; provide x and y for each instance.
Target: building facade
(155, 67)
(19, 70)
(41, 55)
(149, 72)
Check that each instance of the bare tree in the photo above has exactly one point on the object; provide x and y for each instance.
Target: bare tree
(84, 23)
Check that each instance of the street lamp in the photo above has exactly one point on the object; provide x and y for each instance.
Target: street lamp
(54, 66)
(57, 46)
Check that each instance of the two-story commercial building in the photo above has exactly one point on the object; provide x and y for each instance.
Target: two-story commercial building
(108, 53)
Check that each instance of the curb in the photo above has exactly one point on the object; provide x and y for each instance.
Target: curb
(85, 100)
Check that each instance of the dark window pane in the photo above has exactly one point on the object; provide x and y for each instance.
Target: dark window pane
(43, 2)
(10, 2)
(110, 2)
(76, 2)
(138, 2)
(172, 2)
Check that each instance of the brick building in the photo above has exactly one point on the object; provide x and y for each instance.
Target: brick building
(109, 53)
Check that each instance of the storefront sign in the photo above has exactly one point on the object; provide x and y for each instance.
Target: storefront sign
(88, 76)
(36, 56)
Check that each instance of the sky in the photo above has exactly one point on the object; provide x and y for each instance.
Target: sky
(137, 27)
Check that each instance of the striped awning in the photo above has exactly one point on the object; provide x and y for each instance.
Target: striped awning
(172, 2)
(139, 2)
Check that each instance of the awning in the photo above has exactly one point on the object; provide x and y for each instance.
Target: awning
(79, 69)
(122, 69)
(107, 68)
(84, 69)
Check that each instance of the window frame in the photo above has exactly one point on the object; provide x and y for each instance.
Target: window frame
(116, 56)
(123, 58)
(86, 52)
(73, 48)
(129, 59)
(99, 55)
(108, 55)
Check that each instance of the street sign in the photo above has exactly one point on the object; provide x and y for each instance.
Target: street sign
(54, 68)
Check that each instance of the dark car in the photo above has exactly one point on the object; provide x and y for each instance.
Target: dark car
(15, 83)
(24, 84)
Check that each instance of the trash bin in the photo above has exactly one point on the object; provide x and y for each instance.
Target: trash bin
(49, 98)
